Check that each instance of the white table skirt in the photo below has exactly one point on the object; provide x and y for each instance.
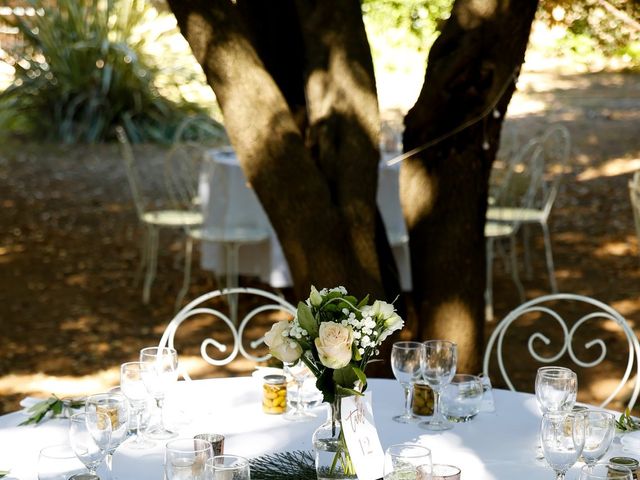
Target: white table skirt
(228, 201)
(493, 446)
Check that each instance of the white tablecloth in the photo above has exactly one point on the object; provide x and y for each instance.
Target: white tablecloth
(492, 446)
(228, 201)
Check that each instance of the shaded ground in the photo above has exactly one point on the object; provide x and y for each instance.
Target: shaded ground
(71, 313)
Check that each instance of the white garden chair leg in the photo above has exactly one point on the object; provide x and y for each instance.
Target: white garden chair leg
(488, 292)
(528, 270)
(514, 268)
(144, 256)
(232, 278)
(186, 279)
(152, 265)
(549, 256)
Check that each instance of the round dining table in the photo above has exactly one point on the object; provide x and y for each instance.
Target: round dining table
(496, 445)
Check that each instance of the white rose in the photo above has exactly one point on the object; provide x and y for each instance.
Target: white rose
(386, 311)
(280, 344)
(334, 344)
(315, 298)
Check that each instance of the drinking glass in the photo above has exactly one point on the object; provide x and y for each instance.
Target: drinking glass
(401, 461)
(58, 462)
(228, 467)
(444, 472)
(115, 406)
(556, 389)
(132, 386)
(406, 358)
(461, 398)
(89, 435)
(299, 373)
(605, 471)
(159, 373)
(599, 433)
(438, 368)
(562, 439)
(185, 459)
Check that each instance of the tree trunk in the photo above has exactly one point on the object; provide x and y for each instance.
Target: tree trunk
(312, 158)
(468, 84)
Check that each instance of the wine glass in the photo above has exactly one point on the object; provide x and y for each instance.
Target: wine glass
(438, 368)
(159, 372)
(406, 358)
(185, 459)
(556, 389)
(132, 386)
(299, 373)
(605, 471)
(90, 436)
(401, 461)
(228, 467)
(115, 406)
(562, 440)
(599, 433)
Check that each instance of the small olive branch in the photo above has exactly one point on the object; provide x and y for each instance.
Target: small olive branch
(626, 422)
(52, 404)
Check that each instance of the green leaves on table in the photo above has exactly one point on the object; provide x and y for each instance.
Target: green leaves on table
(4, 473)
(52, 404)
(626, 423)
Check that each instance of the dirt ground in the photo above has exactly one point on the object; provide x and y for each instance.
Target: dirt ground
(70, 311)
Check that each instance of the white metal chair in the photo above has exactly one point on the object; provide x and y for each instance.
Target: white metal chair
(634, 193)
(198, 307)
(151, 216)
(556, 144)
(517, 191)
(543, 310)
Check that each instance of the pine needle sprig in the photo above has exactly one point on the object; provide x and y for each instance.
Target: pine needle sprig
(296, 465)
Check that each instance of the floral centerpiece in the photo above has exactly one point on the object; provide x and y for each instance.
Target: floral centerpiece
(336, 336)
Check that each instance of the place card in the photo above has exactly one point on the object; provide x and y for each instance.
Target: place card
(361, 436)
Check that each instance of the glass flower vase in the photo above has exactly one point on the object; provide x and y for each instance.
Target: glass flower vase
(332, 455)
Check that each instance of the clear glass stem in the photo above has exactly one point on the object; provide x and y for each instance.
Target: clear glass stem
(160, 405)
(108, 460)
(407, 400)
(139, 414)
(298, 396)
(437, 416)
(559, 475)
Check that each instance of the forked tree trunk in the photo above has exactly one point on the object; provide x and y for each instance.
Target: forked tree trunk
(468, 84)
(306, 132)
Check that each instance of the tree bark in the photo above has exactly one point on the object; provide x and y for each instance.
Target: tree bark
(314, 170)
(468, 84)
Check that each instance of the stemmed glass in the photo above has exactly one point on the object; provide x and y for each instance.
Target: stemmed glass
(132, 386)
(115, 406)
(562, 440)
(406, 363)
(402, 461)
(159, 372)
(299, 372)
(186, 458)
(556, 389)
(89, 435)
(605, 471)
(599, 433)
(438, 368)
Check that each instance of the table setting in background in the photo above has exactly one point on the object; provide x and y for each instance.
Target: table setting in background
(319, 416)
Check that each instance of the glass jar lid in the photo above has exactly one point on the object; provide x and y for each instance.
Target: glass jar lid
(275, 379)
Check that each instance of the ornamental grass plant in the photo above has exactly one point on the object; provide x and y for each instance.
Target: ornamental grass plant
(82, 68)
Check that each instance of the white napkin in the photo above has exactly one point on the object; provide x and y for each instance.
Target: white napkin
(631, 442)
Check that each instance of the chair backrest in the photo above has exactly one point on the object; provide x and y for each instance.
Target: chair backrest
(556, 145)
(520, 183)
(542, 311)
(198, 308)
(132, 175)
(634, 192)
(182, 170)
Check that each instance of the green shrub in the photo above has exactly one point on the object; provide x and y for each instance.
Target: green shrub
(82, 70)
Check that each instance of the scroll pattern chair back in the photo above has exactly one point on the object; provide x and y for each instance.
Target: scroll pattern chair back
(199, 307)
(634, 192)
(544, 307)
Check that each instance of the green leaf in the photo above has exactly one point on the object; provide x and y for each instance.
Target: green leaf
(360, 374)
(363, 302)
(346, 392)
(345, 376)
(325, 384)
(4, 473)
(306, 320)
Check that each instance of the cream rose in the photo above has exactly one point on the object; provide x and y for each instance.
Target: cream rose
(334, 344)
(280, 344)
